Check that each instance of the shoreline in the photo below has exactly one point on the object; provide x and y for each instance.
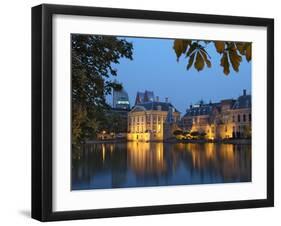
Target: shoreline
(232, 141)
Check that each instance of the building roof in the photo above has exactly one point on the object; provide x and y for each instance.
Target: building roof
(244, 101)
(154, 105)
(148, 96)
(139, 97)
(143, 97)
(202, 109)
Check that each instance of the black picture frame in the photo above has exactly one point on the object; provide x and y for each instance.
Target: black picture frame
(42, 111)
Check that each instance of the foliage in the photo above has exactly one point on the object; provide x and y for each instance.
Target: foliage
(113, 123)
(178, 132)
(231, 53)
(78, 116)
(202, 135)
(93, 57)
(194, 133)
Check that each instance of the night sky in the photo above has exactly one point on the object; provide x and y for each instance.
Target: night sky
(155, 68)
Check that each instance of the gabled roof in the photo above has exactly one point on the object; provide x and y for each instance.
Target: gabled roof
(148, 96)
(244, 101)
(139, 97)
(143, 97)
(203, 109)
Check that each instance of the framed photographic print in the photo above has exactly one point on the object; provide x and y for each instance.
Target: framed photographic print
(146, 112)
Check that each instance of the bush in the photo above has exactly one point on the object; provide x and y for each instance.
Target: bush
(194, 133)
(178, 132)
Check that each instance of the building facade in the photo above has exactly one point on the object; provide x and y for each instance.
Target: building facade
(224, 120)
(152, 121)
(120, 99)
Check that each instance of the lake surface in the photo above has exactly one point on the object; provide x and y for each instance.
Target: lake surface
(139, 164)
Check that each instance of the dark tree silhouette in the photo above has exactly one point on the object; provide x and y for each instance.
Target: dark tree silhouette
(93, 57)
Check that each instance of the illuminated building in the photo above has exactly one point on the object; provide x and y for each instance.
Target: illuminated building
(120, 99)
(227, 119)
(152, 121)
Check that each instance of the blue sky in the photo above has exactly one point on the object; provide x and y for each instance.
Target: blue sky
(154, 67)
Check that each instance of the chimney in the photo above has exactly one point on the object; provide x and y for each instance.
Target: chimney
(166, 99)
(157, 98)
(244, 92)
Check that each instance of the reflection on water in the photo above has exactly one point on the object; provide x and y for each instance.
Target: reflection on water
(135, 164)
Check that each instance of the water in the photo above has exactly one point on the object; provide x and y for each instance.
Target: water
(139, 164)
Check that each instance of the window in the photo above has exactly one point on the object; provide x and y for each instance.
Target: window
(250, 117)
(233, 118)
(244, 118)
(238, 118)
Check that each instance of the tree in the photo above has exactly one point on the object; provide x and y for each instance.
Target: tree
(178, 132)
(93, 58)
(202, 135)
(231, 53)
(194, 134)
(113, 123)
(185, 133)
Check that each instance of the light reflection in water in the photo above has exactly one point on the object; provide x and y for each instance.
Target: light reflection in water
(146, 158)
(134, 164)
